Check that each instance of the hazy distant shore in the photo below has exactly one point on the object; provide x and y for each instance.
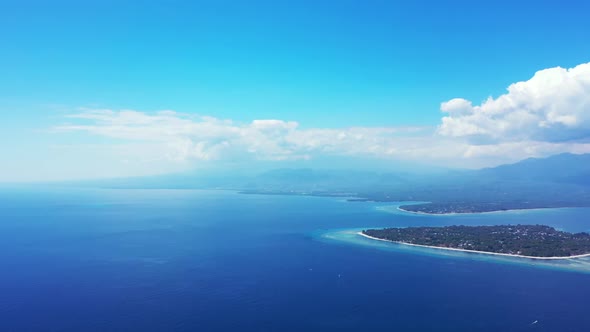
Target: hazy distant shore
(474, 251)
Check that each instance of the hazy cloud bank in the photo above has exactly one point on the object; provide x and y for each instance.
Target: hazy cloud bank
(209, 138)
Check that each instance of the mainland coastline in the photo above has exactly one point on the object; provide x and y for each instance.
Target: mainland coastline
(430, 208)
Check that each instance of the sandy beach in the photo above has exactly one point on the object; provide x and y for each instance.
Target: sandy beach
(474, 251)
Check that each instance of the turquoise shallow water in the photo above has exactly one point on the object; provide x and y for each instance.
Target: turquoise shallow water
(351, 236)
(186, 260)
(567, 219)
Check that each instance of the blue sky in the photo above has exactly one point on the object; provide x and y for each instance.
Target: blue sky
(323, 64)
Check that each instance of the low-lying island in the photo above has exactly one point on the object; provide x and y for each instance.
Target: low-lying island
(528, 241)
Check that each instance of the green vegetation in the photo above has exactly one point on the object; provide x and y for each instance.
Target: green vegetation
(525, 240)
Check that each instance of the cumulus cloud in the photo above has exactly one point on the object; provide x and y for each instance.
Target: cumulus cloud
(207, 138)
(552, 106)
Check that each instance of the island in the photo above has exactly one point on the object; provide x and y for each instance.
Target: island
(530, 241)
(467, 207)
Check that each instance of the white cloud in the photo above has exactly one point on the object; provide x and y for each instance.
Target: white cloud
(552, 106)
(181, 138)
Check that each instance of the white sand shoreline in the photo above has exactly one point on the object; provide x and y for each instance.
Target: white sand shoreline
(474, 251)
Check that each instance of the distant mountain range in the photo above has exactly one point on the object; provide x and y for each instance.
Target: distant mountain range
(557, 181)
(561, 168)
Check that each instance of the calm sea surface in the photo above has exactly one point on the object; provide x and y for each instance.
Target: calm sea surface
(180, 260)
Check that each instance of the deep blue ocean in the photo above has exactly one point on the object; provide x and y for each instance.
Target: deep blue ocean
(184, 260)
